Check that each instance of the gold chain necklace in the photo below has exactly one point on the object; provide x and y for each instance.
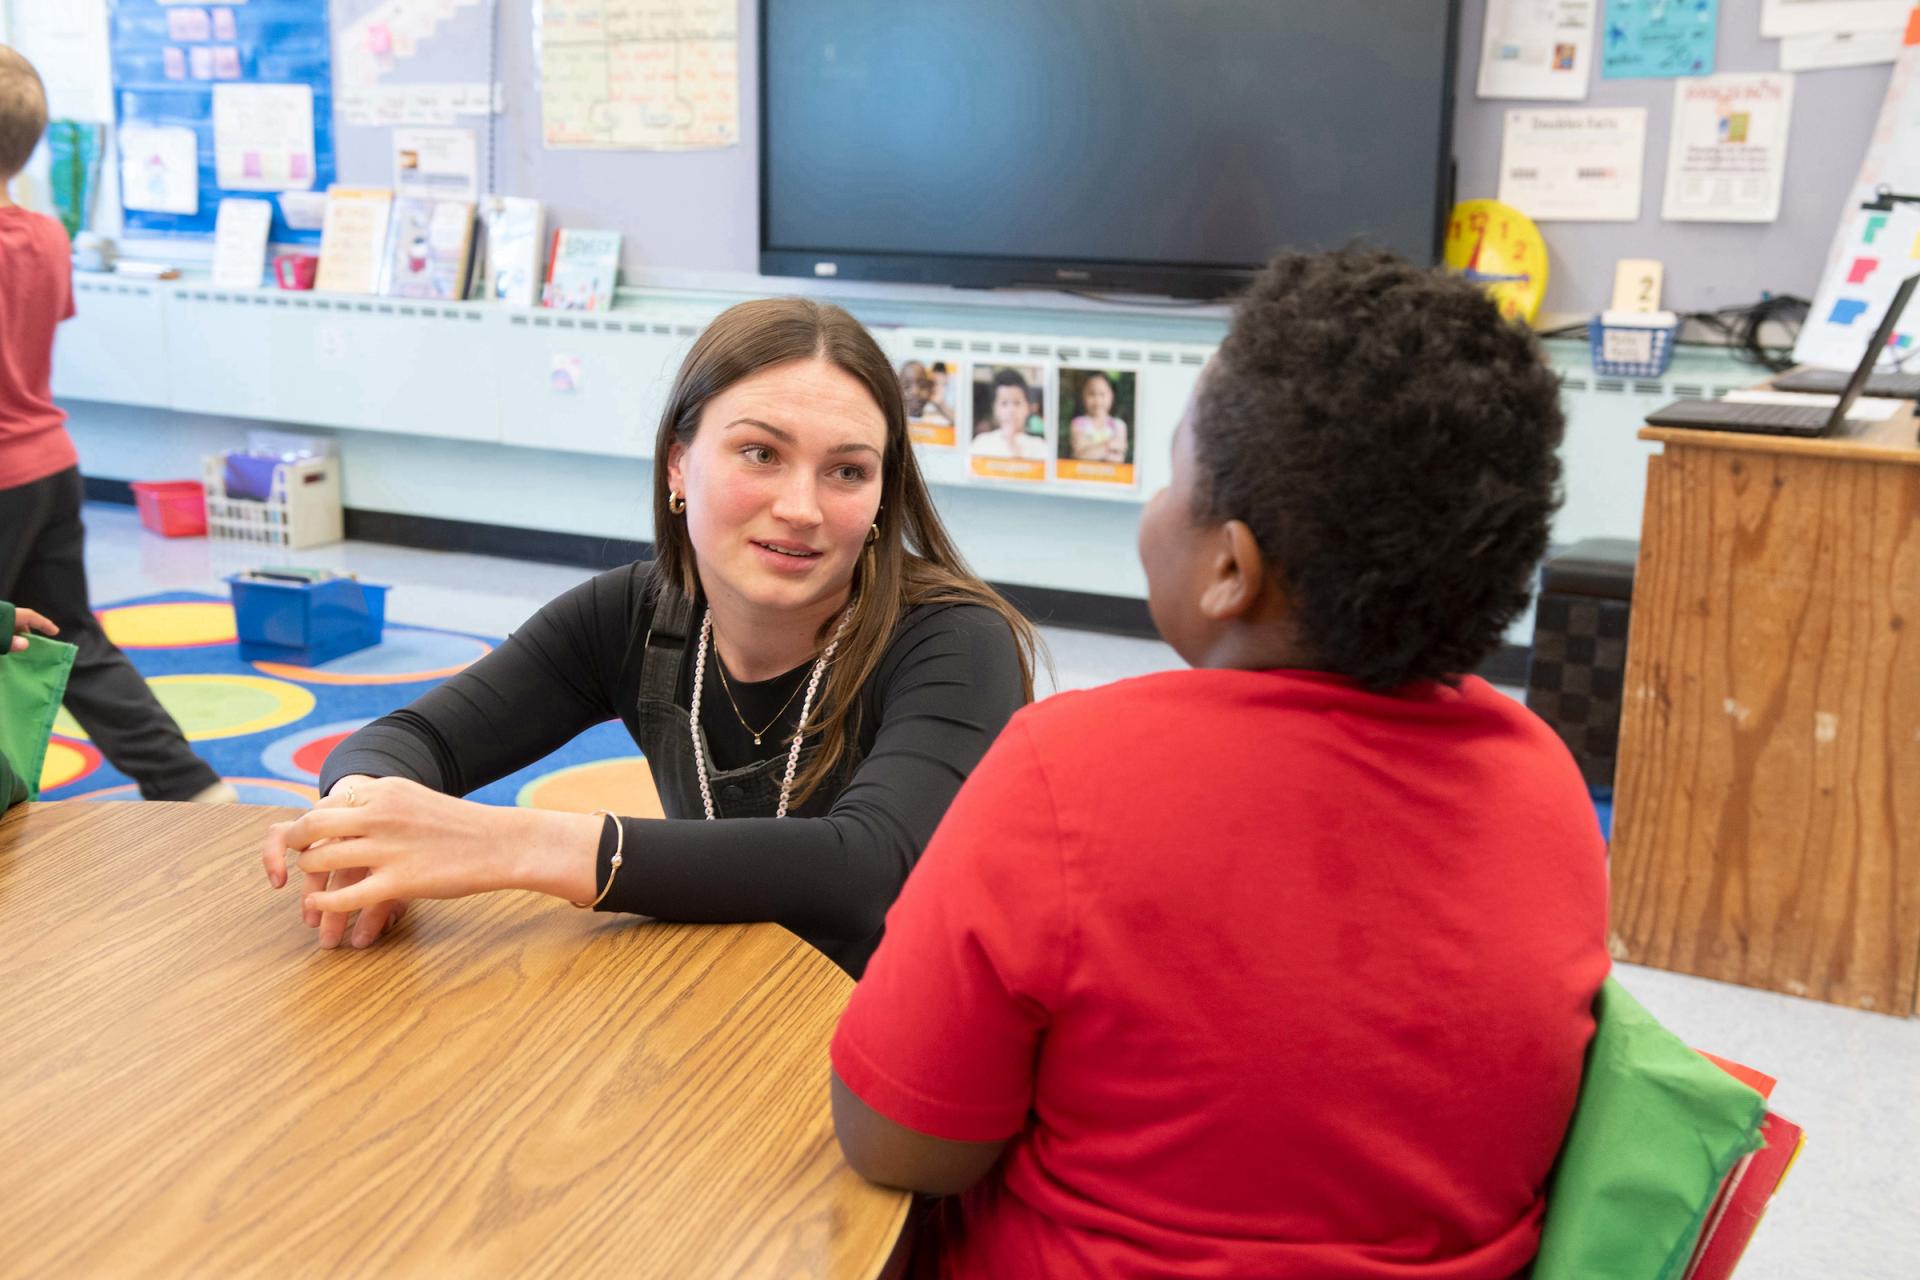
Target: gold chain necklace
(721, 667)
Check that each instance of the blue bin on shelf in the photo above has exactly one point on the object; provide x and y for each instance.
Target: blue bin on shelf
(305, 624)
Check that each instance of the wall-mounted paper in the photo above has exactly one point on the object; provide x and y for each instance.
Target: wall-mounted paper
(159, 170)
(1537, 49)
(1574, 165)
(240, 242)
(263, 136)
(1840, 49)
(665, 79)
(1809, 17)
(304, 210)
(1727, 153)
(441, 163)
(1641, 38)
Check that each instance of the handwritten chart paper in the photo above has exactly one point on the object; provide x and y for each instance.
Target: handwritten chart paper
(263, 136)
(650, 75)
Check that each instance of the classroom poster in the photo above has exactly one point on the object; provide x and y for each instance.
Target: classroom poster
(1658, 38)
(1879, 248)
(931, 390)
(263, 136)
(1537, 49)
(1825, 50)
(1098, 441)
(1727, 154)
(1012, 434)
(159, 170)
(1574, 164)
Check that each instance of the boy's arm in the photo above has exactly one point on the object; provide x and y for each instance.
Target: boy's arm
(936, 1055)
(895, 1156)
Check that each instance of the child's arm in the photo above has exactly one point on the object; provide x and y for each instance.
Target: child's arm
(895, 1156)
(936, 1056)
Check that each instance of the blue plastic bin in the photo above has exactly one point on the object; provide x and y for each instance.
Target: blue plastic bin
(306, 623)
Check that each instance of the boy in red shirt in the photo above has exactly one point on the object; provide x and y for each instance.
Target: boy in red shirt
(42, 541)
(1281, 966)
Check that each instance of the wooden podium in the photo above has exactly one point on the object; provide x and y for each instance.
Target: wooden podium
(1767, 800)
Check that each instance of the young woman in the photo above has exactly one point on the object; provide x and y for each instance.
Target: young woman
(808, 666)
(1298, 981)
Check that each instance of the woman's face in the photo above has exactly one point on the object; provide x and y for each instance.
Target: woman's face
(1011, 409)
(782, 481)
(1097, 395)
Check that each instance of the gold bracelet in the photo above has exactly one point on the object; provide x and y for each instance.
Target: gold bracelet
(619, 842)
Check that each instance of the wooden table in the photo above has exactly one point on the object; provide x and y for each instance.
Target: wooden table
(1767, 801)
(189, 1087)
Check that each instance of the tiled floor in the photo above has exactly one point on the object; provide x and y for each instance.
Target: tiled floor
(1851, 1210)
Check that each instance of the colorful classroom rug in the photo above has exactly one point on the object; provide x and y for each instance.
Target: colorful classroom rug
(267, 728)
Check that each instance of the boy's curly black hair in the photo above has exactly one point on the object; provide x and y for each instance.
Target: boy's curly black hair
(1391, 442)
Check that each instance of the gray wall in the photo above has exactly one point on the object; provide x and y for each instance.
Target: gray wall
(699, 211)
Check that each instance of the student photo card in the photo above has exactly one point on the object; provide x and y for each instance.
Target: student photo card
(1012, 432)
(931, 389)
(1097, 444)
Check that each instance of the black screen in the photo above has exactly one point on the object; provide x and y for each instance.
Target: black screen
(1195, 134)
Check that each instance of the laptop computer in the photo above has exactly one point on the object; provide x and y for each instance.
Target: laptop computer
(1783, 419)
(1891, 386)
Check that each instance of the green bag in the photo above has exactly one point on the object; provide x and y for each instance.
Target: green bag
(1656, 1131)
(32, 683)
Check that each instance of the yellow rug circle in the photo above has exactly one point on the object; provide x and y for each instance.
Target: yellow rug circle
(169, 626)
(208, 707)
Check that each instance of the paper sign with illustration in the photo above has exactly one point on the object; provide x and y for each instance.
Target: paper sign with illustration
(931, 389)
(442, 163)
(1574, 165)
(1097, 445)
(1012, 431)
(159, 169)
(1537, 49)
(263, 136)
(1727, 155)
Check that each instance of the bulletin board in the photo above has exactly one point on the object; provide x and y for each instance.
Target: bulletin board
(168, 65)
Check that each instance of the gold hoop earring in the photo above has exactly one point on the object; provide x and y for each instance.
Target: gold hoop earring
(675, 503)
(873, 534)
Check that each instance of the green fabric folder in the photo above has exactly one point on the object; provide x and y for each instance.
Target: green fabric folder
(32, 683)
(1654, 1134)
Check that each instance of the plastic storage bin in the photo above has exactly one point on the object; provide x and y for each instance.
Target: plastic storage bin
(303, 509)
(172, 508)
(306, 623)
(1632, 344)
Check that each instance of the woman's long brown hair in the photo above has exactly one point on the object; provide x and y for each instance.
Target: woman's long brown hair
(913, 561)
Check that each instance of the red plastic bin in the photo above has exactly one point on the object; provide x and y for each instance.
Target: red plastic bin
(172, 508)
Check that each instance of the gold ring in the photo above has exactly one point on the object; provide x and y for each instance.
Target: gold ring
(352, 799)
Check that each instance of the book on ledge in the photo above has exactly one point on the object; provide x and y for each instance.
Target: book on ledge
(583, 271)
(427, 249)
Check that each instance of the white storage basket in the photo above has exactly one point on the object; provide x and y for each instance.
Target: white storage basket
(302, 510)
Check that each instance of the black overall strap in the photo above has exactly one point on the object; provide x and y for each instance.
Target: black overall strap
(665, 646)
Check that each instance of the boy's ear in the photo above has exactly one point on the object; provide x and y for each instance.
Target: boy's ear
(1236, 574)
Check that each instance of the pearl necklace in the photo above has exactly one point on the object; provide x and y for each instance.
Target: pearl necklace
(793, 753)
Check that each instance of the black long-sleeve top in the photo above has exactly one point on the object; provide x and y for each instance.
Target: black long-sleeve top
(947, 684)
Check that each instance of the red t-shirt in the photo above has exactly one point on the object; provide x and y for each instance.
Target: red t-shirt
(36, 294)
(1268, 976)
